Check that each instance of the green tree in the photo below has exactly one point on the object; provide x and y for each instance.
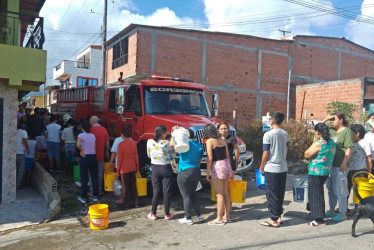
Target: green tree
(344, 107)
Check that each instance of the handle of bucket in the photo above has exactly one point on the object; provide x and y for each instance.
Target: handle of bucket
(306, 178)
(93, 223)
(361, 172)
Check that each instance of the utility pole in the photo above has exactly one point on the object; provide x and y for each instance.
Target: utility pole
(103, 63)
(284, 31)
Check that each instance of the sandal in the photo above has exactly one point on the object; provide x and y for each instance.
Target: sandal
(171, 216)
(216, 223)
(151, 216)
(269, 224)
(316, 224)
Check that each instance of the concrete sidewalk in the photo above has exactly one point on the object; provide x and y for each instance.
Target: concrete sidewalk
(28, 209)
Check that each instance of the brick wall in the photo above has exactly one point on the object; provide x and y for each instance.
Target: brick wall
(129, 68)
(255, 69)
(318, 95)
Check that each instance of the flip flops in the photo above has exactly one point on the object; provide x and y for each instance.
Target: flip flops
(216, 223)
(269, 224)
(151, 216)
(171, 216)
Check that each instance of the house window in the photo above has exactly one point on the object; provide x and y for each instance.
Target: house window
(120, 53)
(83, 81)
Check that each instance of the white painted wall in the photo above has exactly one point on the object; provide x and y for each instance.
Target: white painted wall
(70, 69)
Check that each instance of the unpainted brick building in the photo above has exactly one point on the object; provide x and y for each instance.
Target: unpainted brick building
(312, 99)
(249, 73)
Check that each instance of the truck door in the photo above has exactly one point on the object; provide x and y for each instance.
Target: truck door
(133, 113)
(112, 121)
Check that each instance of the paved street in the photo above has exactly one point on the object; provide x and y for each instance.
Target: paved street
(132, 230)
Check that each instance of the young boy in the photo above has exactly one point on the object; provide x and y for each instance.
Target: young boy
(29, 160)
(361, 154)
(274, 165)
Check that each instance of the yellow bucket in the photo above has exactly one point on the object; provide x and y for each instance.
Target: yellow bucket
(141, 185)
(108, 167)
(108, 180)
(238, 191)
(365, 186)
(213, 196)
(98, 215)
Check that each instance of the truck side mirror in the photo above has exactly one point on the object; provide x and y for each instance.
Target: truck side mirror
(215, 104)
(119, 110)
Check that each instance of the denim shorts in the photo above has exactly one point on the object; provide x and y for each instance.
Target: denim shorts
(53, 149)
(69, 149)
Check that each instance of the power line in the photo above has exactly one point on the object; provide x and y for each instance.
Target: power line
(65, 13)
(339, 12)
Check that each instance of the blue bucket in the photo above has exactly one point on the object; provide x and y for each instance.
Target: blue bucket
(260, 179)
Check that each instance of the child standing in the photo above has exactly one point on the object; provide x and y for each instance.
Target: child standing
(29, 160)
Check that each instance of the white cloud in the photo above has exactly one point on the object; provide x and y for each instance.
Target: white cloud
(263, 18)
(70, 28)
(360, 32)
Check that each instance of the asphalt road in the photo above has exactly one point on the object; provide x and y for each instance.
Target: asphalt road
(130, 229)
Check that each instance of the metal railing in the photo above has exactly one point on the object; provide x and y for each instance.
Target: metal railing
(119, 61)
(81, 65)
(9, 29)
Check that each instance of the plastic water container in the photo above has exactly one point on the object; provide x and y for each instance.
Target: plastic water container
(260, 179)
(300, 190)
(181, 138)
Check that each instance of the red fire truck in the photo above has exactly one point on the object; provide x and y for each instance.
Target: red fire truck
(144, 105)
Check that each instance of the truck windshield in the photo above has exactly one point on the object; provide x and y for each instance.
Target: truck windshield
(172, 101)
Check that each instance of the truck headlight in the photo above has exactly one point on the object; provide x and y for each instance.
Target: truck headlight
(242, 148)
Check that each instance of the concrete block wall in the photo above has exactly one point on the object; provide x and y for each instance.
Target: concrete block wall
(47, 187)
(318, 95)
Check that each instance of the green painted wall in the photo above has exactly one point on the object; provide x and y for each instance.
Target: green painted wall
(19, 64)
(14, 22)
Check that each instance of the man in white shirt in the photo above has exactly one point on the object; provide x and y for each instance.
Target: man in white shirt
(114, 150)
(53, 142)
(22, 148)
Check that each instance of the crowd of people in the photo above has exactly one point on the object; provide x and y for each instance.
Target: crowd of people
(336, 154)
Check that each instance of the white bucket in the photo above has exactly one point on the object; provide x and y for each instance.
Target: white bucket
(300, 190)
(181, 140)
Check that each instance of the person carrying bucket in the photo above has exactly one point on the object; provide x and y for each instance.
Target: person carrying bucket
(189, 175)
(361, 156)
(160, 153)
(321, 155)
(274, 165)
(128, 165)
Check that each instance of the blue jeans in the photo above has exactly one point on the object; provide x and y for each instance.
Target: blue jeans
(334, 190)
(69, 150)
(187, 183)
(86, 164)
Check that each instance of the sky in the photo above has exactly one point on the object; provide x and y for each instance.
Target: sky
(70, 27)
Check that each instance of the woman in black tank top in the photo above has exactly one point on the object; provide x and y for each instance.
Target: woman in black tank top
(219, 172)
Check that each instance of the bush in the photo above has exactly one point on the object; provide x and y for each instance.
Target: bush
(300, 138)
(252, 136)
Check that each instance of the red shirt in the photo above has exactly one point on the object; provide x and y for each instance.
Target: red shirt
(128, 160)
(101, 137)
